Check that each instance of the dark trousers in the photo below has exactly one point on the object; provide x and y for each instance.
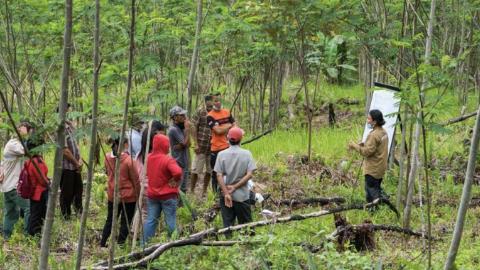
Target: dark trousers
(127, 210)
(240, 211)
(373, 188)
(38, 211)
(213, 159)
(72, 189)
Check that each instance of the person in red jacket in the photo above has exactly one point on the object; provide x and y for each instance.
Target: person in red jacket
(39, 181)
(164, 176)
(128, 187)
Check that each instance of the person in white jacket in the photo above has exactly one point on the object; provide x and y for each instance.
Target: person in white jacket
(11, 166)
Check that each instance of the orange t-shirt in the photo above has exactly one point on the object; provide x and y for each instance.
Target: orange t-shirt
(218, 118)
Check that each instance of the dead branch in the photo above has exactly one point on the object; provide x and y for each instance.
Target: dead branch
(257, 137)
(155, 251)
(459, 119)
(310, 201)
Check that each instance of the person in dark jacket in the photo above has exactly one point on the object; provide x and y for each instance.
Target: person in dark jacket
(164, 176)
(128, 187)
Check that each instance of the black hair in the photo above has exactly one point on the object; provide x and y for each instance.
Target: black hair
(208, 97)
(68, 106)
(215, 94)
(115, 142)
(156, 126)
(36, 140)
(232, 142)
(377, 116)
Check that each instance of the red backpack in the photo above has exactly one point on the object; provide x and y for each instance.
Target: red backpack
(25, 189)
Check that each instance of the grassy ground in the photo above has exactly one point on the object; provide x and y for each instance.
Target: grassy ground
(280, 169)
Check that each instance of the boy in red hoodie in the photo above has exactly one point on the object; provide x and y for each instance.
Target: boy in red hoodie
(164, 176)
(128, 187)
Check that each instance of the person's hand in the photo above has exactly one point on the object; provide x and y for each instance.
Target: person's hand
(228, 200)
(230, 189)
(172, 183)
(187, 124)
(79, 165)
(352, 145)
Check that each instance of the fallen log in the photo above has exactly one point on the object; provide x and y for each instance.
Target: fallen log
(311, 201)
(459, 119)
(152, 252)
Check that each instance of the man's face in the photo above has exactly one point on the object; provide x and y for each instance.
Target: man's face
(23, 131)
(217, 103)
(180, 118)
(208, 105)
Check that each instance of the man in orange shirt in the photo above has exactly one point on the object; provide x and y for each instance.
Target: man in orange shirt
(220, 121)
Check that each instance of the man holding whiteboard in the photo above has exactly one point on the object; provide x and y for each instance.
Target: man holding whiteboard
(375, 152)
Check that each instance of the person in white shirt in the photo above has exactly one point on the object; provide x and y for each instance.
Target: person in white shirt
(10, 169)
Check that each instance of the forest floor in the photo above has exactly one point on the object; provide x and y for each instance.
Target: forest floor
(333, 171)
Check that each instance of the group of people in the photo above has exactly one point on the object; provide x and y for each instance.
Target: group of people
(23, 164)
(155, 158)
(165, 157)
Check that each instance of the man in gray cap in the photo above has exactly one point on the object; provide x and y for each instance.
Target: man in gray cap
(178, 134)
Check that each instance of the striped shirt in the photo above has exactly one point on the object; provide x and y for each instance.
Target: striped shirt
(199, 121)
(71, 144)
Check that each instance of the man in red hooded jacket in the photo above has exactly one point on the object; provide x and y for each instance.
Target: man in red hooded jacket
(164, 176)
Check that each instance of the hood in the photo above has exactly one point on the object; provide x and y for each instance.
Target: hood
(161, 144)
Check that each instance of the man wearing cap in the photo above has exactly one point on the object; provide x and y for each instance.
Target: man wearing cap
(220, 121)
(234, 167)
(178, 134)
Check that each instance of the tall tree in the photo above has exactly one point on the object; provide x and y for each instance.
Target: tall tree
(194, 61)
(62, 108)
(93, 135)
(466, 197)
(113, 236)
(419, 123)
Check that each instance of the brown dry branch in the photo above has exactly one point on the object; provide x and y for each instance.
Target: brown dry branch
(153, 252)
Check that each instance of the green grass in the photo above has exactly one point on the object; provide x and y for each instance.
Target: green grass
(280, 249)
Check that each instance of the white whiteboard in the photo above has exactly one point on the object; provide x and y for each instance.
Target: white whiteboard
(387, 103)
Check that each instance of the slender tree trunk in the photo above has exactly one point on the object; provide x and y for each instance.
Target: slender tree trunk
(193, 63)
(466, 196)
(113, 236)
(138, 215)
(419, 123)
(93, 136)
(57, 174)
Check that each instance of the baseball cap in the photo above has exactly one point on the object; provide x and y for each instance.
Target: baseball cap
(235, 134)
(177, 110)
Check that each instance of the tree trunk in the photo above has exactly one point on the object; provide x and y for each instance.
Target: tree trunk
(57, 174)
(113, 236)
(193, 63)
(138, 215)
(466, 196)
(93, 136)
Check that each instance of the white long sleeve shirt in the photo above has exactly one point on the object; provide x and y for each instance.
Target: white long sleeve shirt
(12, 164)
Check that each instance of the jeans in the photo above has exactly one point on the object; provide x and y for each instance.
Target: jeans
(127, 210)
(72, 188)
(184, 182)
(38, 211)
(155, 208)
(373, 188)
(13, 206)
(213, 159)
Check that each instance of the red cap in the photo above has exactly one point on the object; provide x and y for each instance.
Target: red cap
(235, 134)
